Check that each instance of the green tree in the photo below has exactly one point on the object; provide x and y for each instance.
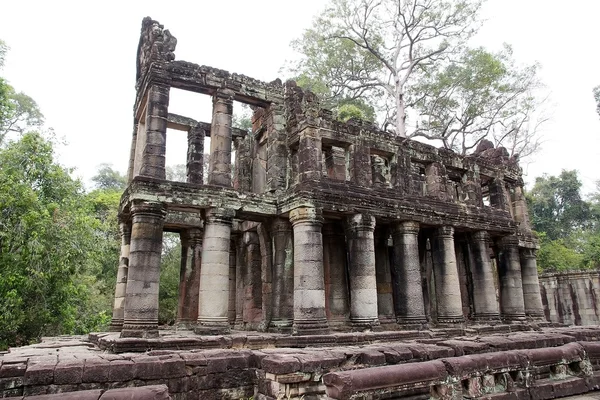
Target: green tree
(557, 255)
(169, 279)
(556, 206)
(481, 95)
(409, 58)
(46, 237)
(363, 48)
(108, 178)
(18, 111)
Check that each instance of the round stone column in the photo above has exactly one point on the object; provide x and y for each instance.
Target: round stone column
(309, 285)
(213, 300)
(482, 277)
(406, 275)
(143, 274)
(512, 304)
(121, 286)
(531, 285)
(283, 275)
(447, 283)
(362, 273)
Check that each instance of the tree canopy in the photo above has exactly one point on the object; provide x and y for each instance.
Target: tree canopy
(568, 225)
(408, 61)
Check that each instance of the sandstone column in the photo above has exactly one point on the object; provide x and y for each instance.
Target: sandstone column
(240, 277)
(361, 267)
(121, 287)
(406, 275)
(531, 285)
(214, 275)
(253, 284)
(512, 306)
(309, 286)
(189, 277)
(385, 301)
(219, 168)
(283, 274)
(143, 275)
(447, 285)
(233, 296)
(195, 155)
(157, 112)
(482, 277)
(336, 280)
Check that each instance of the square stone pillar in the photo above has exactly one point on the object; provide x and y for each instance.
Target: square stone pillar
(157, 112)
(219, 167)
(214, 276)
(252, 284)
(121, 287)
(195, 155)
(336, 279)
(240, 278)
(361, 268)
(447, 283)
(283, 275)
(482, 278)
(189, 277)
(406, 275)
(130, 168)
(310, 157)
(309, 285)
(512, 305)
(276, 148)
(531, 285)
(143, 274)
(385, 298)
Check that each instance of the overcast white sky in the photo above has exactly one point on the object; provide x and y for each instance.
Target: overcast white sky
(77, 60)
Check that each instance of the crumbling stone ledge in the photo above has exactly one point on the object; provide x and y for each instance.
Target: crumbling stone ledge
(72, 365)
(173, 341)
(155, 392)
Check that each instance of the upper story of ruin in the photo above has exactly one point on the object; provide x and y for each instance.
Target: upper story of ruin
(298, 154)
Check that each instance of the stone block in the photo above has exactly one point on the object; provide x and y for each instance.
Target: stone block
(78, 395)
(280, 364)
(39, 374)
(371, 357)
(12, 370)
(157, 392)
(121, 370)
(147, 367)
(7, 384)
(96, 370)
(68, 372)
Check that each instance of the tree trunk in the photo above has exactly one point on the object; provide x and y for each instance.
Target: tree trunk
(400, 113)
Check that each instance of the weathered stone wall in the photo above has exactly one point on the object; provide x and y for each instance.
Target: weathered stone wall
(571, 298)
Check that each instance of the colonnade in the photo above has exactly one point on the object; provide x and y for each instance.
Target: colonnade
(322, 276)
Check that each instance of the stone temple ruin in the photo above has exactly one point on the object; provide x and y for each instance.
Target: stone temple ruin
(318, 225)
(329, 261)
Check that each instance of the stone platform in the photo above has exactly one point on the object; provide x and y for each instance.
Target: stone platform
(547, 363)
(188, 340)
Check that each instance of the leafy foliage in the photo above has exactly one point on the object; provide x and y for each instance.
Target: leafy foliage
(481, 95)
(567, 225)
(47, 237)
(556, 206)
(408, 59)
(109, 179)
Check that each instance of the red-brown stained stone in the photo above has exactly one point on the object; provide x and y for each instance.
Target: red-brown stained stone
(68, 372)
